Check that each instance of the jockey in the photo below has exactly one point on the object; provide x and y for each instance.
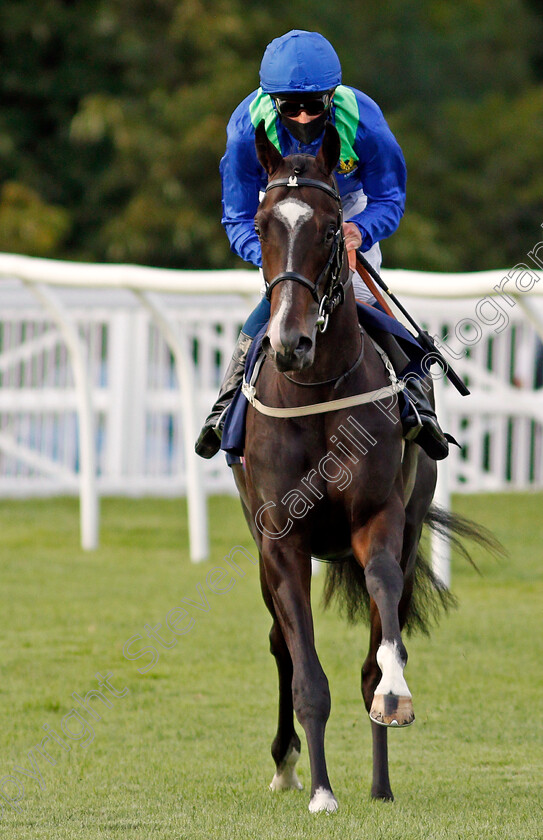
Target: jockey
(300, 89)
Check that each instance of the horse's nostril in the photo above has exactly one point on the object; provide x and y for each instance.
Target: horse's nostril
(266, 344)
(304, 344)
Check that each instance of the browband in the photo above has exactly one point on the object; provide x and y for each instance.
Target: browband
(294, 181)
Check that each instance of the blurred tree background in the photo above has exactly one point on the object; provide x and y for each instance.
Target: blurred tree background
(113, 116)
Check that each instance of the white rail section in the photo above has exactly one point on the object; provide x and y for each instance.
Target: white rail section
(106, 372)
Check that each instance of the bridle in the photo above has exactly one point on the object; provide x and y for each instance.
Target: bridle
(334, 289)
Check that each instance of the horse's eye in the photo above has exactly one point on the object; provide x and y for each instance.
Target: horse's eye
(259, 232)
(330, 233)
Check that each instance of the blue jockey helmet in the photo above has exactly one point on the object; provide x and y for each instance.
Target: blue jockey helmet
(299, 62)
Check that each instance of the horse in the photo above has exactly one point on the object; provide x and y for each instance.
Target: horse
(326, 472)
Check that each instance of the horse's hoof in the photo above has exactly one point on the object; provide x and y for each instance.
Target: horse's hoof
(382, 796)
(285, 777)
(323, 800)
(391, 710)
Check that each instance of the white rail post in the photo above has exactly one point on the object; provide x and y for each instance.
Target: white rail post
(534, 316)
(89, 511)
(196, 498)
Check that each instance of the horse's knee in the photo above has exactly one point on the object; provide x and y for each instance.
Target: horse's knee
(311, 699)
(278, 646)
(276, 639)
(384, 577)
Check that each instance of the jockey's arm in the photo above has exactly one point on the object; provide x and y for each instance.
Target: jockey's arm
(383, 175)
(241, 182)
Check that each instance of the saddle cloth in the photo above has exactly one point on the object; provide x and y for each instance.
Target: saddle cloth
(372, 320)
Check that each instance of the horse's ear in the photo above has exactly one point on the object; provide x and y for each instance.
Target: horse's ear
(266, 152)
(328, 154)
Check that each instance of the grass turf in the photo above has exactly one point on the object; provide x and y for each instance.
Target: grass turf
(185, 754)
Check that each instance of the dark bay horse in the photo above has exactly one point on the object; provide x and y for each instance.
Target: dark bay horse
(331, 483)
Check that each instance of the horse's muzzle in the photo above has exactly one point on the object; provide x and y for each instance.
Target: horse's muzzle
(297, 354)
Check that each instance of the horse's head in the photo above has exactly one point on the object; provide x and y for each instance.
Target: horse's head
(299, 223)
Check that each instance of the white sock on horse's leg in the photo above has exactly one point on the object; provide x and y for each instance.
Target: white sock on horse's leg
(392, 680)
(285, 777)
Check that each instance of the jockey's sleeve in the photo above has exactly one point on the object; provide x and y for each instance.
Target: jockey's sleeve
(241, 182)
(383, 174)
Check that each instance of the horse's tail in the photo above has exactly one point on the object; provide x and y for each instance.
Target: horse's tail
(346, 584)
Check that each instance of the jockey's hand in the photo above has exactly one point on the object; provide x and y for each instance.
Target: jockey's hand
(353, 240)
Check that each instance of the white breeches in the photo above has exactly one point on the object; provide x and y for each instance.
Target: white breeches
(354, 203)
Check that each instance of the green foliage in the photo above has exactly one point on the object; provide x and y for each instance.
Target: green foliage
(432, 51)
(114, 112)
(475, 184)
(27, 223)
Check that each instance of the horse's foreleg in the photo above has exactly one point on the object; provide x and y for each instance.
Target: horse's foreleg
(288, 575)
(378, 548)
(416, 509)
(286, 744)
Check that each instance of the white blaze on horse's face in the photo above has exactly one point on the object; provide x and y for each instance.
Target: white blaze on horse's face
(274, 330)
(293, 213)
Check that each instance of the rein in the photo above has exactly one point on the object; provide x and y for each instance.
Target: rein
(335, 295)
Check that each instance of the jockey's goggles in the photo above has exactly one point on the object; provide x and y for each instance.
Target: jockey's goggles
(293, 107)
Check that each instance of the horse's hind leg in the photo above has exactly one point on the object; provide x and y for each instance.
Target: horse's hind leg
(286, 744)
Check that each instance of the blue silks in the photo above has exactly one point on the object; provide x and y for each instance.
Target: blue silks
(372, 320)
(233, 436)
(371, 160)
(258, 318)
(300, 61)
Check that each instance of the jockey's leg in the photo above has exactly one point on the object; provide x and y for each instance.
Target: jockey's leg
(361, 291)
(258, 318)
(419, 419)
(424, 429)
(420, 424)
(209, 440)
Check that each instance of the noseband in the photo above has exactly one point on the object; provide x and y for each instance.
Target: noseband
(334, 291)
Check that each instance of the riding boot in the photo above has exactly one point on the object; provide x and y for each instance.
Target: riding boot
(209, 440)
(421, 423)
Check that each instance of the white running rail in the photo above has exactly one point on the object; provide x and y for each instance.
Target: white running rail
(106, 372)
